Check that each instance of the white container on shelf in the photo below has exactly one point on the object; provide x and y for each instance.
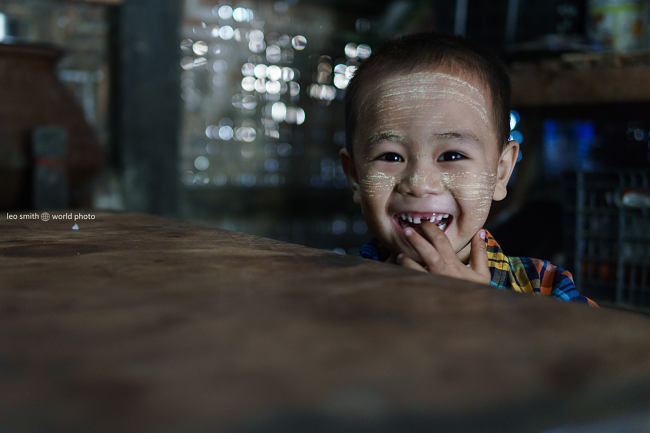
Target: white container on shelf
(618, 25)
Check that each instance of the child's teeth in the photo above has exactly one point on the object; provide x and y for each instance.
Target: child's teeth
(435, 218)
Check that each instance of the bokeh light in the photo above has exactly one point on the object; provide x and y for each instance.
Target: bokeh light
(226, 33)
(225, 12)
(299, 42)
(201, 163)
(200, 48)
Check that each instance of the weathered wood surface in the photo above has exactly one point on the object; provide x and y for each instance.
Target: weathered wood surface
(140, 323)
(538, 87)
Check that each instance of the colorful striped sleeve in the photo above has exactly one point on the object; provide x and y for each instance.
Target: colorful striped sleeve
(557, 282)
(520, 274)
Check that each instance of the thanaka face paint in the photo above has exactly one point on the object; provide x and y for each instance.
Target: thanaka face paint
(377, 183)
(425, 144)
(427, 86)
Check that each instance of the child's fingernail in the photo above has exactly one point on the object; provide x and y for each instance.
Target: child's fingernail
(400, 256)
(482, 234)
(408, 232)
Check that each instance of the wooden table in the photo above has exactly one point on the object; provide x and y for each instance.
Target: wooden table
(146, 324)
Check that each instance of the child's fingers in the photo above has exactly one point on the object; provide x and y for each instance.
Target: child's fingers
(425, 249)
(478, 255)
(407, 262)
(440, 242)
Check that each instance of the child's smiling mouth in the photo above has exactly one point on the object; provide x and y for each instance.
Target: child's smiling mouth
(417, 219)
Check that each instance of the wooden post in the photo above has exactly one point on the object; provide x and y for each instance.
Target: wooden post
(149, 104)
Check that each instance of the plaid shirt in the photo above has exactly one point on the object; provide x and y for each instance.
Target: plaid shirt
(521, 274)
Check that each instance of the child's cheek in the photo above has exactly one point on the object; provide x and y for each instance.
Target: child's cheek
(472, 190)
(377, 183)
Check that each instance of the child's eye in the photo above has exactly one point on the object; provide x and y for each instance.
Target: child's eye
(450, 156)
(390, 157)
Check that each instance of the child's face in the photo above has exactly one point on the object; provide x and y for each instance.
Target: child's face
(426, 147)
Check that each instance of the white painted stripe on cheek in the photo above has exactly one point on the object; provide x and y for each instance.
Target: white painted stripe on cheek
(471, 186)
(374, 183)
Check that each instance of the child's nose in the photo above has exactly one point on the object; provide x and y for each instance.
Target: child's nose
(422, 180)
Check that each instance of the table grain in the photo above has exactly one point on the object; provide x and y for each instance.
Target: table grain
(147, 324)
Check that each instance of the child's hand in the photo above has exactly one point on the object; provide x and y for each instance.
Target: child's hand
(438, 256)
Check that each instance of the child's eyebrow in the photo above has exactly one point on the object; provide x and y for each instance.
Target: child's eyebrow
(386, 136)
(457, 135)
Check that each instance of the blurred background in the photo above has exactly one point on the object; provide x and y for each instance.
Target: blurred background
(230, 113)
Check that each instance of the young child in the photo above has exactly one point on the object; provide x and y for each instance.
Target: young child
(427, 150)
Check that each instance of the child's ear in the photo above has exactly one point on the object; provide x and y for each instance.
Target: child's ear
(348, 167)
(507, 162)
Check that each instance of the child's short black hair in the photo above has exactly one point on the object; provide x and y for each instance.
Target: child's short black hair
(422, 51)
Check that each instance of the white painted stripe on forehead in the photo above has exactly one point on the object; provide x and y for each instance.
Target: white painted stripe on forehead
(418, 87)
